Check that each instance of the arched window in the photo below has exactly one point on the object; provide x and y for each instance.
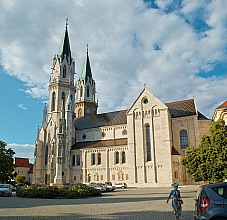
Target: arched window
(53, 101)
(148, 141)
(64, 71)
(93, 159)
(117, 158)
(78, 159)
(79, 113)
(81, 91)
(63, 98)
(46, 155)
(123, 157)
(73, 160)
(183, 139)
(99, 159)
(87, 91)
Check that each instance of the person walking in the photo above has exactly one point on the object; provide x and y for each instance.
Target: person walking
(176, 200)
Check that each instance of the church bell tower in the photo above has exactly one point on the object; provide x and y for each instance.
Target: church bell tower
(85, 99)
(61, 112)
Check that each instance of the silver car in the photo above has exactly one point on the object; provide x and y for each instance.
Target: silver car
(5, 190)
(211, 202)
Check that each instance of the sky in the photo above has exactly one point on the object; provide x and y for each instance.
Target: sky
(177, 47)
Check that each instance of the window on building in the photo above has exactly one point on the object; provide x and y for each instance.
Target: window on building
(73, 160)
(96, 177)
(53, 101)
(117, 157)
(78, 159)
(64, 71)
(123, 157)
(99, 159)
(63, 98)
(176, 174)
(79, 113)
(93, 159)
(183, 139)
(46, 155)
(81, 91)
(148, 141)
(87, 91)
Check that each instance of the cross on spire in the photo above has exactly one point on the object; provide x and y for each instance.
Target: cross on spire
(66, 22)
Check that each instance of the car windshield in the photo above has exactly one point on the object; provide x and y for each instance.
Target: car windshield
(3, 186)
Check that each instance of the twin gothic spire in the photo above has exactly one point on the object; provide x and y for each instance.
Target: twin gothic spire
(64, 49)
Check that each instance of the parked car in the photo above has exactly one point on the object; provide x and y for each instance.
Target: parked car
(94, 185)
(103, 186)
(211, 202)
(14, 188)
(120, 185)
(5, 190)
(20, 185)
(109, 186)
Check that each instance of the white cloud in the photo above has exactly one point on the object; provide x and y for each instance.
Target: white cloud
(22, 106)
(122, 38)
(23, 150)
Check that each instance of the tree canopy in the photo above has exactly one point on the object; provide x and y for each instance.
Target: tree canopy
(20, 178)
(208, 162)
(7, 166)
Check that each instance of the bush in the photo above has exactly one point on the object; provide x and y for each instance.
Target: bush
(48, 192)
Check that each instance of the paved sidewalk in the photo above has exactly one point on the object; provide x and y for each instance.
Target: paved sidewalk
(127, 204)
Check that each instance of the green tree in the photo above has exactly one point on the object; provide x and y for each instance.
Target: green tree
(7, 166)
(20, 178)
(208, 162)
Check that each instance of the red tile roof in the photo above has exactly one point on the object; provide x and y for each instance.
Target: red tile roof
(223, 105)
(21, 162)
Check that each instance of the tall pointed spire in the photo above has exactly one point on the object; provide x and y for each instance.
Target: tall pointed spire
(86, 73)
(64, 49)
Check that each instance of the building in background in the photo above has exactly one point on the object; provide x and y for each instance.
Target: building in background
(23, 167)
(221, 112)
(142, 145)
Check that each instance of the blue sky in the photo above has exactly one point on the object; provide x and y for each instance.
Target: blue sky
(177, 47)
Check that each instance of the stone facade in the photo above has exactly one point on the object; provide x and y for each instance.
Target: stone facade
(221, 112)
(141, 146)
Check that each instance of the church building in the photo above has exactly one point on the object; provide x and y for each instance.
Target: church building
(141, 146)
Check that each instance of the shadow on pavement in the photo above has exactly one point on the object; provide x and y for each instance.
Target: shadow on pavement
(143, 215)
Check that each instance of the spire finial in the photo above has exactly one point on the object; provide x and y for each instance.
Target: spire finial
(87, 48)
(66, 22)
(145, 86)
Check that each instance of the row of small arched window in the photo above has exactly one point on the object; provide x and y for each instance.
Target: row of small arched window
(96, 159)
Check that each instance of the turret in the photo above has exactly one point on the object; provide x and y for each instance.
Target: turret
(85, 99)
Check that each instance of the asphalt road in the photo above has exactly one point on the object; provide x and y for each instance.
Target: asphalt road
(127, 204)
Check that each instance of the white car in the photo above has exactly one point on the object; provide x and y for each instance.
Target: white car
(120, 185)
(5, 190)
